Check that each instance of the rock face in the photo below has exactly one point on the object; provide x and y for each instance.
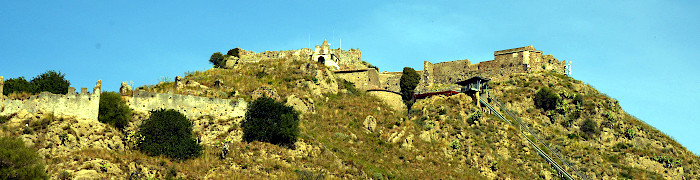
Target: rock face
(265, 91)
(300, 105)
(370, 124)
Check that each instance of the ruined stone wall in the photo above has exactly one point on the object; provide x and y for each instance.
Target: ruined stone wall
(390, 81)
(83, 106)
(390, 98)
(359, 77)
(190, 106)
(348, 58)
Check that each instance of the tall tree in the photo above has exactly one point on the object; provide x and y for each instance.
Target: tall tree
(409, 81)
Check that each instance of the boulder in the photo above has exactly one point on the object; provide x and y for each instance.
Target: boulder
(265, 91)
(297, 104)
(86, 175)
(370, 124)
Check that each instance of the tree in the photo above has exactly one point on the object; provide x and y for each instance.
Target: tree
(169, 133)
(408, 82)
(17, 85)
(113, 110)
(546, 99)
(235, 52)
(217, 59)
(589, 127)
(51, 81)
(267, 120)
(19, 162)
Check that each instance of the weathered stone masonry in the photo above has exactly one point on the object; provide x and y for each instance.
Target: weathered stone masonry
(190, 106)
(83, 106)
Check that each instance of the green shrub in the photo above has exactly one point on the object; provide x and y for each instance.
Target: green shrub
(4, 119)
(546, 99)
(169, 133)
(18, 161)
(408, 82)
(217, 59)
(235, 52)
(589, 127)
(17, 85)
(51, 81)
(267, 120)
(347, 85)
(113, 110)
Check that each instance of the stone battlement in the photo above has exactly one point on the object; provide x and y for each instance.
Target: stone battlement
(83, 105)
(517, 60)
(343, 59)
(190, 106)
(516, 50)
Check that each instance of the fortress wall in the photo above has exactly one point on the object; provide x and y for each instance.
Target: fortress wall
(392, 99)
(360, 78)
(390, 81)
(251, 57)
(352, 56)
(190, 106)
(82, 106)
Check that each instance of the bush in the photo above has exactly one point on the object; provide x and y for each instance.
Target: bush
(267, 120)
(546, 99)
(18, 161)
(169, 133)
(408, 82)
(347, 85)
(217, 59)
(17, 85)
(589, 127)
(235, 52)
(113, 110)
(51, 81)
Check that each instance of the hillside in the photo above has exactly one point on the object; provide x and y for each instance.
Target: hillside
(347, 133)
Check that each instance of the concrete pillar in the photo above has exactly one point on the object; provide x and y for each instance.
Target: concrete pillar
(478, 104)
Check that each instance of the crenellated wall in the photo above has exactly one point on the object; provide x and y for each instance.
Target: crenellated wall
(83, 106)
(190, 106)
(526, 59)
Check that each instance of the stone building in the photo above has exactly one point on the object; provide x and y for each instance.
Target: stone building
(323, 54)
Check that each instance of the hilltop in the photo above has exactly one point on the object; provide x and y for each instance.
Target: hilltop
(353, 124)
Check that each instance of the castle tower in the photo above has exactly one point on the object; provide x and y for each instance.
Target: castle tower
(322, 54)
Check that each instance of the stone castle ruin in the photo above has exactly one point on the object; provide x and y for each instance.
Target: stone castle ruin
(347, 64)
(83, 105)
(435, 77)
(335, 58)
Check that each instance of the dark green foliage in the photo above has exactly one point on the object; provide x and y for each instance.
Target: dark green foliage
(370, 65)
(17, 85)
(578, 99)
(235, 52)
(217, 59)
(113, 110)
(51, 81)
(589, 127)
(4, 119)
(546, 99)
(267, 120)
(169, 133)
(408, 82)
(18, 161)
(347, 85)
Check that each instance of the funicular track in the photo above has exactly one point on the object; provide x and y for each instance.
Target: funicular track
(560, 170)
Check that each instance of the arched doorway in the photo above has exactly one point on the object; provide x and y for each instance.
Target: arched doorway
(322, 60)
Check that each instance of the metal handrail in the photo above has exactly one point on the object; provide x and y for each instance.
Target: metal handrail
(532, 132)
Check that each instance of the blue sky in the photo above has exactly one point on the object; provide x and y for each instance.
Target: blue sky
(639, 52)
